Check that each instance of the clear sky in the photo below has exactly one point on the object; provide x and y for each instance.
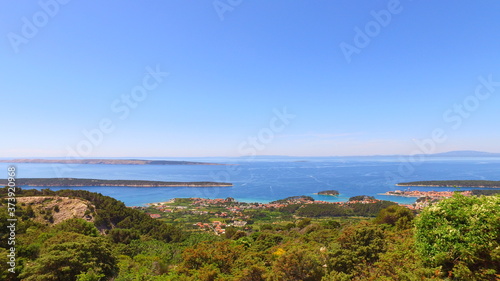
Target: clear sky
(303, 78)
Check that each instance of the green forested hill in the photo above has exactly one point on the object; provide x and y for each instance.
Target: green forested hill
(303, 241)
(454, 183)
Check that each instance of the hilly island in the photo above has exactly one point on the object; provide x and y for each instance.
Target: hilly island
(74, 182)
(107, 161)
(328, 192)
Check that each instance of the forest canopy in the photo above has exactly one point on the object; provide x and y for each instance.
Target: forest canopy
(454, 239)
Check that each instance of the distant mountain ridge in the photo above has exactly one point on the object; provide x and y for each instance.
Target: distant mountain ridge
(122, 161)
(465, 153)
(454, 153)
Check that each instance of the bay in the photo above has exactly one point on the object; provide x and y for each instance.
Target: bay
(264, 179)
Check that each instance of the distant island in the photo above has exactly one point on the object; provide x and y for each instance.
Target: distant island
(328, 192)
(107, 161)
(74, 182)
(454, 183)
(464, 153)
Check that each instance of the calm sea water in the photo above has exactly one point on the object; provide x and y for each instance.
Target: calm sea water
(268, 179)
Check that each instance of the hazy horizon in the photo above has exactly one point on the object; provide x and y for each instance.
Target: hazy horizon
(455, 152)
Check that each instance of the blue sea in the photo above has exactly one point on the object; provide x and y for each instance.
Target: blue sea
(265, 179)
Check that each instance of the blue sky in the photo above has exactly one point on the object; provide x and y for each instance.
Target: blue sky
(245, 77)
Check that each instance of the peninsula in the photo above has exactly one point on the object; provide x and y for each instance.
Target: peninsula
(454, 183)
(74, 182)
(106, 161)
(430, 194)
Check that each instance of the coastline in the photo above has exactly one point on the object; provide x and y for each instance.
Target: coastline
(452, 184)
(446, 186)
(419, 194)
(77, 182)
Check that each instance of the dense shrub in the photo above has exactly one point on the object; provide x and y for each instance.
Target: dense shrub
(462, 235)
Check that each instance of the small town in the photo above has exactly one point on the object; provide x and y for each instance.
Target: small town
(216, 215)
